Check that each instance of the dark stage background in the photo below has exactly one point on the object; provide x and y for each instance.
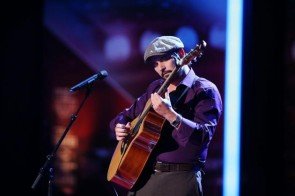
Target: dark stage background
(39, 66)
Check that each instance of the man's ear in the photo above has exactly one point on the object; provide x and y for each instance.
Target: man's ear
(181, 52)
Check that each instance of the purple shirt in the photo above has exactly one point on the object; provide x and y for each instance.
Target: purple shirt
(200, 107)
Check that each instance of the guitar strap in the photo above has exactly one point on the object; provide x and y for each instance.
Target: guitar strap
(177, 100)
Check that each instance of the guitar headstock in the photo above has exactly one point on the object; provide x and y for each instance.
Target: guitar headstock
(193, 54)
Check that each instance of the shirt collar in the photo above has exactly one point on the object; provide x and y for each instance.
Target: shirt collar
(189, 78)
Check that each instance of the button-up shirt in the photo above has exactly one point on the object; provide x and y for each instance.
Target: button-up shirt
(200, 107)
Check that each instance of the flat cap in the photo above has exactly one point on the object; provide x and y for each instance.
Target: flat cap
(161, 45)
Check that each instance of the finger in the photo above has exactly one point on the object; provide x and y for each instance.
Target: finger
(119, 125)
(128, 125)
(157, 96)
(119, 130)
(167, 96)
(121, 134)
(156, 99)
(154, 102)
(152, 96)
(119, 138)
(153, 99)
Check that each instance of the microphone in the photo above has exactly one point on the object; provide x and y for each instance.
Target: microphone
(99, 76)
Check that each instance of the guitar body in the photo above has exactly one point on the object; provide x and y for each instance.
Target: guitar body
(130, 158)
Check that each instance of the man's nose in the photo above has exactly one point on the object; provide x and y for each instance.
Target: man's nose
(161, 65)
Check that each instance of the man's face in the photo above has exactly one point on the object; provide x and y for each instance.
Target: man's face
(163, 65)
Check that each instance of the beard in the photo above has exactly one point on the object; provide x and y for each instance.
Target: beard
(166, 74)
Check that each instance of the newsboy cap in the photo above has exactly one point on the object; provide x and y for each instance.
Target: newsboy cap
(161, 45)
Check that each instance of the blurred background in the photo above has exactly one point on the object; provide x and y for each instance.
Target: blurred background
(51, 45)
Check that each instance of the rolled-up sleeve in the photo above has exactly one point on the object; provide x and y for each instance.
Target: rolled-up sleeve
(129, 113)
(206, 113)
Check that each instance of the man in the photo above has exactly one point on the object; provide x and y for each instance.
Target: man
(191, 106)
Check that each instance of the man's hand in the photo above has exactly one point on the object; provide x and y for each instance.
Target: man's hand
(122, 131)
(163, 106)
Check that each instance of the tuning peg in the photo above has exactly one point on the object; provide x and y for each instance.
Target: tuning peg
(204, 43)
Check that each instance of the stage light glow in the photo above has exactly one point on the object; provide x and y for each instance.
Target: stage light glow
(189, 36)
(232, 110)
(217, 36)
(146, 38)
(117, 48)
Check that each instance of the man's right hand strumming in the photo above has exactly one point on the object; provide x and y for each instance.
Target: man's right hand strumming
(122, 131)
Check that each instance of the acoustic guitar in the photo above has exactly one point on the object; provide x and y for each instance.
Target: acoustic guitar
(132, 154)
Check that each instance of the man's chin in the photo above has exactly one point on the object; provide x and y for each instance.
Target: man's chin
(166, 75)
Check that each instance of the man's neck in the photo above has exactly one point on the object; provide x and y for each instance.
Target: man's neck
(171, 87)
(180, 76)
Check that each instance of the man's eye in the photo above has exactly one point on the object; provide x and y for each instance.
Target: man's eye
(165, 58)
(154, 64)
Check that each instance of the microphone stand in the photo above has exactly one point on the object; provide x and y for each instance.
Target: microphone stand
(47, 166)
